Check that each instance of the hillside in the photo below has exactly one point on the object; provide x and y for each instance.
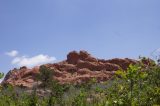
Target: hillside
(77, 68)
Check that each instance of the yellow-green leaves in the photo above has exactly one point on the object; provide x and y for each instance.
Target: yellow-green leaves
(143, 75)
(121, 73)
(132, 72)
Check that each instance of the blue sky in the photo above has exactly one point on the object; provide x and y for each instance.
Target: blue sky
(49, 29)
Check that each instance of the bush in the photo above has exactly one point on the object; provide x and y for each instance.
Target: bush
(139, 85)
(45, 76)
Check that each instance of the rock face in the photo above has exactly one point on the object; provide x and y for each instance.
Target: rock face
(79, 67)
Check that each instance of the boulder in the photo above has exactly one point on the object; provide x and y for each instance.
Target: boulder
(83, 55)
(72, 57)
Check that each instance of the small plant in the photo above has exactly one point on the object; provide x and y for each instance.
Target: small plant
(1, 75)
(80, 99)
(33, 99)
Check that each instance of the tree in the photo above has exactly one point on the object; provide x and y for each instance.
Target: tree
(45, 76)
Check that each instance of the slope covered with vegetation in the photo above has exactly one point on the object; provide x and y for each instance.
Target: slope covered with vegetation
(139, 85)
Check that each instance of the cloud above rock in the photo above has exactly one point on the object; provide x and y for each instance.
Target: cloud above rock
(33, 61)
(30, 61)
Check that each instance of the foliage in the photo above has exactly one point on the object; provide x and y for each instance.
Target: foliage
(139, 85)
(80, 99)
(1, 75)
(136, 86)
(45, 76)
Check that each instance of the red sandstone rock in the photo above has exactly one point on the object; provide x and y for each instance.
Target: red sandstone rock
(72, 57)
(86, 64)
(123, 63)
(78, 68)
(83, 55)
(91, 59)
(84, 71)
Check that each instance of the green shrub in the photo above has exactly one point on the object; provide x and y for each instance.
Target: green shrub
(139, 85)
(45, 76)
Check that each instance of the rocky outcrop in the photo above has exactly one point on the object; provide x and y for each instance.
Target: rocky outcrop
(79, 67)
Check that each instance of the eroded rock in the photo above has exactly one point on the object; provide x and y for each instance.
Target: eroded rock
(78, 68)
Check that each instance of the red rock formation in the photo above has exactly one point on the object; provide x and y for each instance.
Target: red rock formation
(79, 67)
(72, 57)
(123, 63)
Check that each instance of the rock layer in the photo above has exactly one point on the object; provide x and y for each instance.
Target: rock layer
(77, 68)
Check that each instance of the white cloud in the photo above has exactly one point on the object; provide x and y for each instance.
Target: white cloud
(12, 53)
(32, 61)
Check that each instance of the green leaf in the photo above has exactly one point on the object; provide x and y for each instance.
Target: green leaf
(121, 73)
(143, 75)
(1, 75)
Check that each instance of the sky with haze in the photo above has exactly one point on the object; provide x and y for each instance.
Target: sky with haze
(34, 32)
